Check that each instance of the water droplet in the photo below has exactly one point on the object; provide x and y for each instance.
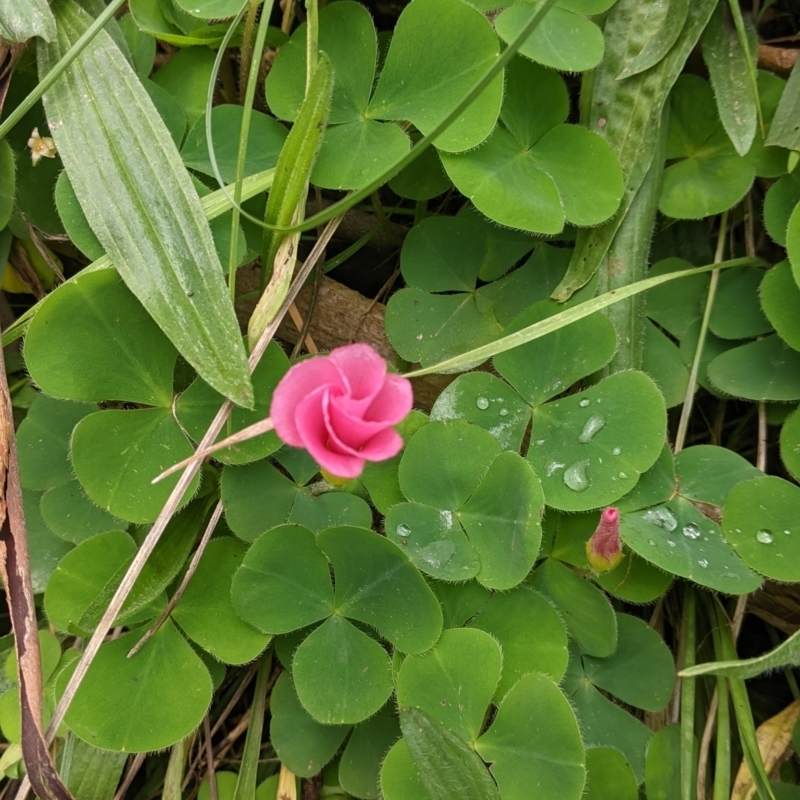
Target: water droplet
(419, 337)
(583, 403)
(671, 543)
(593, 425)
(765, 537)
(623, 474)
(616, 451)
(691, 531)
(787, 532)
(482, 403)
(598, 401)
(661, 517)
(403, 530)
(703, 563)
(575, 477)
(554, 467)
(503, 412)
(539, 442)
(652, 543)
(437, 554)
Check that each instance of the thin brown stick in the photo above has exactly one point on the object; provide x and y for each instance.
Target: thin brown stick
(761, 448)
(172, 505)
(212, 775)
(133, 770)
(250, 432)
(302, 329)
(176, 598)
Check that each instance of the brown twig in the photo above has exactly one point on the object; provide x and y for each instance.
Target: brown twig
(172, 504)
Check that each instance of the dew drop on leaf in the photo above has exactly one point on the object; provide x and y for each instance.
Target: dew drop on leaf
(661, 517)
(482, 403)
(703, 563)
(787, 532)
(691, 531)
(554, 467)
(593, 425)
(765, 537)
(403, 530)
(503, 412)
(583, 403)
(575, 477)
(616, 451)
(437, 554)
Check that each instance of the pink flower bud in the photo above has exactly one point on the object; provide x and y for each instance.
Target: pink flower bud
(604, 548)
(341, 408)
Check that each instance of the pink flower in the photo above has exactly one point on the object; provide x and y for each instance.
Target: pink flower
(341, 408)
(604, 548)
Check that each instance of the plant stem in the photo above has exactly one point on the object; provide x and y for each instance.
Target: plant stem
(686, 411)
(627, 261)
(249, 96)
(45, 83)
(688, 692)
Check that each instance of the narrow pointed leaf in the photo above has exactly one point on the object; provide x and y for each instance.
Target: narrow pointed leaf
(140, 203)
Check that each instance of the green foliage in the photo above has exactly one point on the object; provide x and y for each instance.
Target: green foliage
(439, 629)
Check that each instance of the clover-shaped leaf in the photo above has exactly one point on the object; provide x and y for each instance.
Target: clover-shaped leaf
(93, 341)
(510, 617)
(545, 367)
(198, 405)
(450, 255)
(603, 722)
(43, 441)
(709, 176)
(678, 538)
(564, 40)
(423, 77)
(284, 584)
(640, 672)
(70, 514)
(590, 448)
(534, 172)
(737, 313)
(258, 497)
(588, 615)
(473, 510)
(481, 399)
(165, 684)
(767, 369)
(760, 522)
(302, 744)
(205, 612)
(790, 444)
(779, 203)
(533, 744)
(780, 299)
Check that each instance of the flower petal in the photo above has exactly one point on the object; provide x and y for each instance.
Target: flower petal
(350, 429)
(386, 444)
(393, 402)
(362, 368)
(312, 425)
(299, 382)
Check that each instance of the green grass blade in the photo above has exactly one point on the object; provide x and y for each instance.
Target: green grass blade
(139, 200)
(558, 321)
(214, 205)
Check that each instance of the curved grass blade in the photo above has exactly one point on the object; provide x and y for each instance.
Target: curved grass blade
(214, 205)
(558, 321)
(423, 144)
(288, 190)
(139, 200)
